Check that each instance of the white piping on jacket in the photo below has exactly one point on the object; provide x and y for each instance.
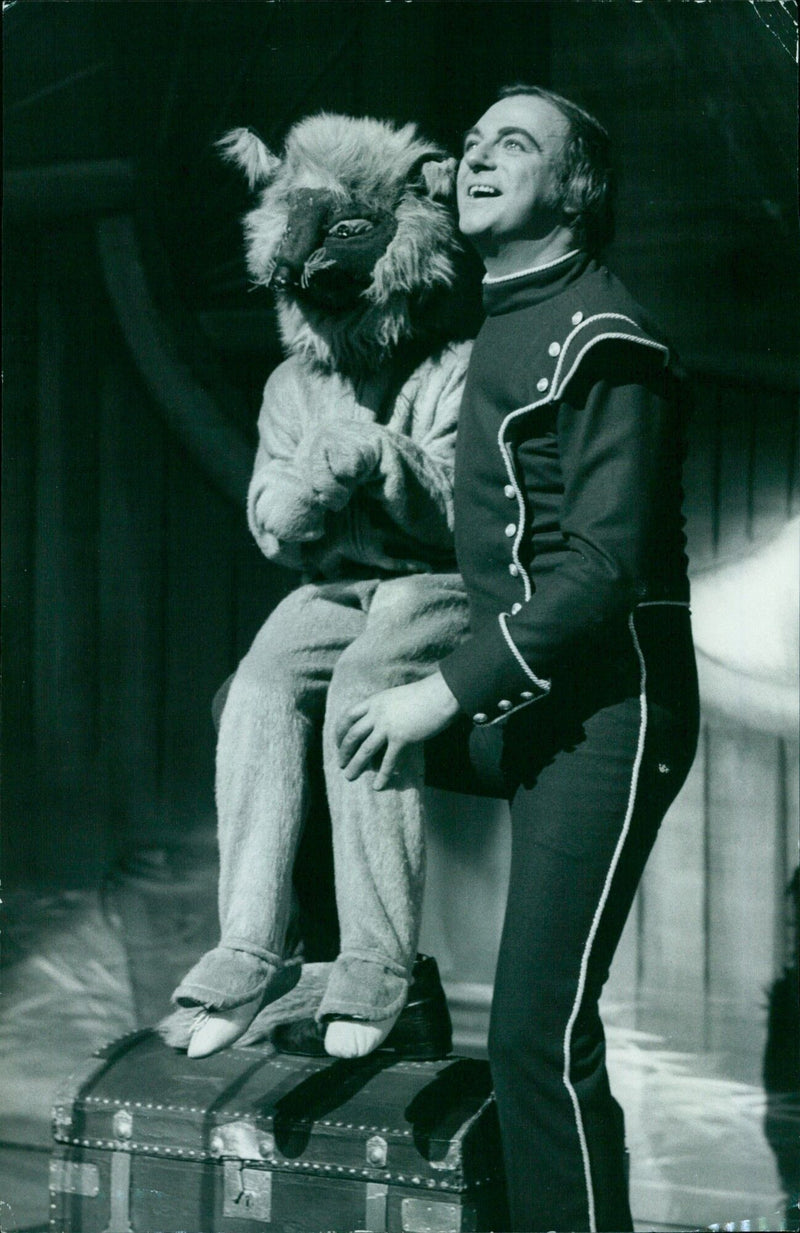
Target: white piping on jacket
(642, 342)
(664, 603)
(557, 385)
(543, 685)
(492, 280)
(637, 762)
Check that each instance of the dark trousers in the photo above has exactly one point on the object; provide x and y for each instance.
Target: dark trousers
(589, 772)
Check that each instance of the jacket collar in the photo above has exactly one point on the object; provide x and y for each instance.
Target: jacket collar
(529, 287)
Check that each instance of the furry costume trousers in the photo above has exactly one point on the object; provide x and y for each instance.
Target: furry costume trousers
(589, 772)
(325, 647)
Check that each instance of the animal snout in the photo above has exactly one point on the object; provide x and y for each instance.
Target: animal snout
(305, 228)
(283, 276)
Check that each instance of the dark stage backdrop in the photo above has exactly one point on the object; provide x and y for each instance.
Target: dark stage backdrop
(135, 352)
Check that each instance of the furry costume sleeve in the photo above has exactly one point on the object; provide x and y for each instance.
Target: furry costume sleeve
(345, 475)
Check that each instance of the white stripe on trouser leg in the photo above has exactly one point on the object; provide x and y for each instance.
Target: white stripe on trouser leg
(637, 762)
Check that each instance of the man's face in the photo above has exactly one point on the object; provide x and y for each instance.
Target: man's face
(508, 185)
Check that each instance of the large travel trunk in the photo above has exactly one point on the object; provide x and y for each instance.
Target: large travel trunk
(149, 1141)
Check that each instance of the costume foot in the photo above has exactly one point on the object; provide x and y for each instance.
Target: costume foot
(421, 1031)
(216, 1029)
(356, 1038)
(203, 1023)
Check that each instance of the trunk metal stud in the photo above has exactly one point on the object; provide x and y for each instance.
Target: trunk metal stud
(123, 1124)
(377, 1151)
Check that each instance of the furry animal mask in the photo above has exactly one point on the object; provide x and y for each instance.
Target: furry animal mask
(355, 233)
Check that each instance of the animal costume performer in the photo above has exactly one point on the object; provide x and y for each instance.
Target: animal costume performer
(352, 485)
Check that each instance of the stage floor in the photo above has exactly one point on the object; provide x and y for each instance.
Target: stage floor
(81, 967)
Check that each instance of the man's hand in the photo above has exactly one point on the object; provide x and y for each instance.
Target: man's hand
(392, 720)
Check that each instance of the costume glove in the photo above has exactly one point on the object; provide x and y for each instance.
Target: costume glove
(290, 510)
(340, 457)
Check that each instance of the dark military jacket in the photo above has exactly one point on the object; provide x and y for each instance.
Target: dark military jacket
(568, 480)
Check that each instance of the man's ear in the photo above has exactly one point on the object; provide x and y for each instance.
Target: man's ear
(244, 147)
(439, 177)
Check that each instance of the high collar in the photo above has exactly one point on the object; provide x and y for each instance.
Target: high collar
(528, 287)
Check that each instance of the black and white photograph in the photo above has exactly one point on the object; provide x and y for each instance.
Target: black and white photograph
(400, 617)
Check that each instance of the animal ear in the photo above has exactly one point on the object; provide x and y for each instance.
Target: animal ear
(244, 147)
(439, 177)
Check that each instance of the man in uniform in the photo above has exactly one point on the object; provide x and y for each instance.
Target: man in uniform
(575, 695)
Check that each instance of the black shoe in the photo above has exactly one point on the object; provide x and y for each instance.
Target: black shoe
(423, 1031)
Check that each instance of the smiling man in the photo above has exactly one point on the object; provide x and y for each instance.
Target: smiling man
(576, 694)
(510, 194)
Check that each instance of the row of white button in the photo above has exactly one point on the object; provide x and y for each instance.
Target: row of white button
(510, 491)
(555, 349)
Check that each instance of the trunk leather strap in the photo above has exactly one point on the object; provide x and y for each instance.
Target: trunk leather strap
(120, 1194)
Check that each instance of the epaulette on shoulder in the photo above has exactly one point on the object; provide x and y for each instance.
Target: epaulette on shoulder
(590, 330)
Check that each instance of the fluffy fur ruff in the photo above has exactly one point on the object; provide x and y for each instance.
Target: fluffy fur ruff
(419, 280)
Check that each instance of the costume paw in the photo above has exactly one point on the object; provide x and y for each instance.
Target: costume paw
(349, 1038)
(340, 457)
(292, 513)
(301, 1002)
(216, 1029)
(176, 1028)
(226, 977)
(202, 1024)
